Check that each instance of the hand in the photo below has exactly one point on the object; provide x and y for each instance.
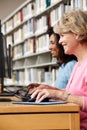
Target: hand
(43, 92)
(32, 87)
(43, 86)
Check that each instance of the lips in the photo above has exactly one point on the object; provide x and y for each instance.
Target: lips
(64, 45)
(52, 52)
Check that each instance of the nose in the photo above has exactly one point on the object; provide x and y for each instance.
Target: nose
(60, 41)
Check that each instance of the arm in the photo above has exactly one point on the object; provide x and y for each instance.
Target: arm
(57, 94)
(75, 99)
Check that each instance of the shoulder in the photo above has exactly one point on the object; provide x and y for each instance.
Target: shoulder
(71, 63)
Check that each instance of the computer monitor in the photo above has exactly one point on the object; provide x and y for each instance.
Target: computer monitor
(5, 60)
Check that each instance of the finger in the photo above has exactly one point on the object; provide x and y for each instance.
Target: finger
(39, 99)
(32, 90)
(35, 93)
(41, 96)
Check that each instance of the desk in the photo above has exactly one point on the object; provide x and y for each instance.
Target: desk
(39, 117)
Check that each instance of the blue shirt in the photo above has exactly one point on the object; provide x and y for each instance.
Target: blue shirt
(63, 74)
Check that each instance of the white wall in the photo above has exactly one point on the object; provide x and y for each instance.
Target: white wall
(8, 6)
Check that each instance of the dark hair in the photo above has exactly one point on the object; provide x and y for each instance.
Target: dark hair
(62, 57)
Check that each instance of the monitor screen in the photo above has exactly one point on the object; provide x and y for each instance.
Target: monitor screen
(5, 59)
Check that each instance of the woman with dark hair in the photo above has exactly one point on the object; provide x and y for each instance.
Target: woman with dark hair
(65, 62)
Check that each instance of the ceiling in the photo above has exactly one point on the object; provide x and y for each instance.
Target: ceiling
(8, 6)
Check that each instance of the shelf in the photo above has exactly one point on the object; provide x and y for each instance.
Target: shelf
(35, 66)
(31, 55)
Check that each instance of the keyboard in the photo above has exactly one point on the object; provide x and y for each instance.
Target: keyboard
(5, 100)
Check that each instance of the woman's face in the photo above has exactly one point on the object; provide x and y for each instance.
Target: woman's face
(53, 47)
(69, 42)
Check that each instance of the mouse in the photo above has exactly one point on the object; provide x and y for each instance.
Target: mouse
(27, 98)
(34, 99)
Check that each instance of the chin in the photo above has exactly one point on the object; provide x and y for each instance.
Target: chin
(66, 52)
(54, 56)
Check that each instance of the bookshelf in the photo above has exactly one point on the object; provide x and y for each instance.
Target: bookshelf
(25, 30)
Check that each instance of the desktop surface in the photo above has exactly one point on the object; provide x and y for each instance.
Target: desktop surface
(10, 106)
(5, 96)
(39, 117)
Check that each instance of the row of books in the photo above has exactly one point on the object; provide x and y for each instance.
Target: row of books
(56, 14)
(24, 49)
(42, 5)
(42, 24)
(17, 36)
(81, 4)
(18, 77)
(20, 16)
(21, 33)
(30, 46)
(35, 75)
(29, 10)
(28, 28)
(13, 22)
(42, 43)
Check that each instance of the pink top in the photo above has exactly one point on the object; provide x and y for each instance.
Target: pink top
(77, 85)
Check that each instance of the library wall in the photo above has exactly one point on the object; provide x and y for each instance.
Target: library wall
(26, 31)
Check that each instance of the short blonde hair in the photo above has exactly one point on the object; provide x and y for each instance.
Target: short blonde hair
(74, 21)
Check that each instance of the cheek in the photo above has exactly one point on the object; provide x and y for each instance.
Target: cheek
(72, 46)
(56, 52)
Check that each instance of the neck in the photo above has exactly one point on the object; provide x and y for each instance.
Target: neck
(81, 54)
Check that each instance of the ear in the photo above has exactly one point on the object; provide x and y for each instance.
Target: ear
(76, 36)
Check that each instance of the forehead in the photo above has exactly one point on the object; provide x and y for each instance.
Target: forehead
(52, 37)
